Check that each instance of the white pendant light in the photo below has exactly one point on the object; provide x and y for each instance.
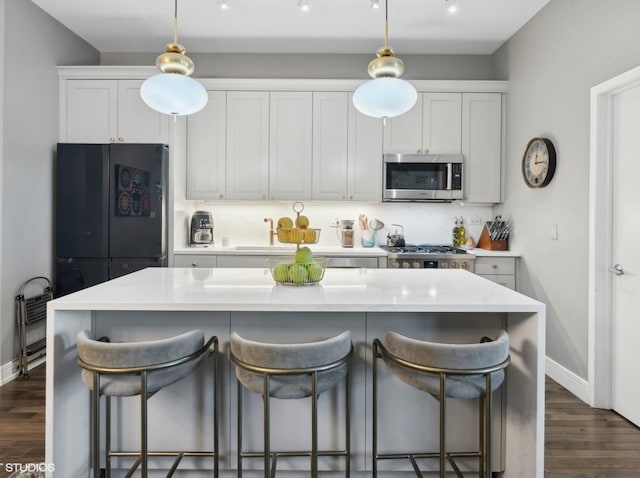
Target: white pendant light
(173, 92)
(386, 95)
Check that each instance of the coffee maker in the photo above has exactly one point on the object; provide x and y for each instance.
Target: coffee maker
(201, 229)
(346, 232)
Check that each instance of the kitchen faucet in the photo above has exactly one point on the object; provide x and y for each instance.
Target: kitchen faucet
(272, 231)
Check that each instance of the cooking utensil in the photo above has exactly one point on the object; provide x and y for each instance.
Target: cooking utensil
(376, 224)
(362, 219)
(396, 239)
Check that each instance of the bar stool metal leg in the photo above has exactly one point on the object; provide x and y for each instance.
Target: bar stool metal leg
(95, 422)
(443, 395)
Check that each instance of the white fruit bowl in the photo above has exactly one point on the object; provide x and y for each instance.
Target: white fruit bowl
(288, 272)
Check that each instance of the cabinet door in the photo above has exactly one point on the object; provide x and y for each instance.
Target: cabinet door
(403, 134)
(330, 145)
(194, 260)
(206, 143)
(442, 123)
(247, 145)
(137, 123)
(91, 112)
(243, 261)
(364, 176)
(290, 145)
(482, 146)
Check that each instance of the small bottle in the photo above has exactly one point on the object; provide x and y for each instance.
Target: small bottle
(456, 233)
(462, 234)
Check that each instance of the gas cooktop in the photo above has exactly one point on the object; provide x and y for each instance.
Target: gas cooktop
(424, 249)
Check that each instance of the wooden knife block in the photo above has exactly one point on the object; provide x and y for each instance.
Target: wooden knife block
(485, 241)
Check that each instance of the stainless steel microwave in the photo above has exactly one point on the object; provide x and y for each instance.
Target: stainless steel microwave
(422, 177)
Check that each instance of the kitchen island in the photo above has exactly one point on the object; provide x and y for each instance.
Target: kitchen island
(424, 303)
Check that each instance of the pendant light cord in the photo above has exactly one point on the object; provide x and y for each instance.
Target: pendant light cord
(175, 22)
(386, 24)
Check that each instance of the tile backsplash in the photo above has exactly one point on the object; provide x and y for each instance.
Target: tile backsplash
(243, 223)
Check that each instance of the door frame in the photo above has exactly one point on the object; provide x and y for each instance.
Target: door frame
(600, 318)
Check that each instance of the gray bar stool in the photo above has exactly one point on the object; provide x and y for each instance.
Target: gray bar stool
(292, 371)
(463, 371)
(141, 368)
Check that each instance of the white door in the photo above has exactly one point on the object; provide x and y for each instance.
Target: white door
(625, 257)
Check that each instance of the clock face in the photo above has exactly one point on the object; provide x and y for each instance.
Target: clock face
(539, 163)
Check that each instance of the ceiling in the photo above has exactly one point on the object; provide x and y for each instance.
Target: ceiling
(280, 26)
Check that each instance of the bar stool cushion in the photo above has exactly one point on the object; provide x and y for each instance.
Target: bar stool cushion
(291, 356)
(452, 356)
(139, 354)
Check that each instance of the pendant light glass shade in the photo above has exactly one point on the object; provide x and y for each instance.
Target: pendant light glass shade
(386, 95)
(173, 92)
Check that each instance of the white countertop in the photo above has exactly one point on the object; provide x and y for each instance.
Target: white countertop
(283, 249)
(344, 290)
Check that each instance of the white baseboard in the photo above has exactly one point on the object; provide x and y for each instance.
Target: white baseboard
(569, 380)
(9, 371)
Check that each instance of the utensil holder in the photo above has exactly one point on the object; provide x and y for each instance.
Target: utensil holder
(485, 241)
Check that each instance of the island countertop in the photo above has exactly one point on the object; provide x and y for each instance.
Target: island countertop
(345, 290)
(421, 303)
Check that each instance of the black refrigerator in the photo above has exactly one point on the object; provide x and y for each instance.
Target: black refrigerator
(110, 212)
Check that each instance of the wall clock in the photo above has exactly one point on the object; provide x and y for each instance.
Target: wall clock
(538, 163)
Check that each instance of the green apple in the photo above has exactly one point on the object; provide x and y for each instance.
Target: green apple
(281, 272)
(303, 255)
(298, 273)
(315, 271)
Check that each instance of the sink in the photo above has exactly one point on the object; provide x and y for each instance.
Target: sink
(291, 248)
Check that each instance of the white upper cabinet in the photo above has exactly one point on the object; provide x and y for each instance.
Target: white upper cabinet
(403, 134)
(247, 171)
(347, 150)
(482, 146)
(109, 111)
(290, 145)
(442, 123)
(364, 173)
(433, 125)
(330, 145)
(206, 149)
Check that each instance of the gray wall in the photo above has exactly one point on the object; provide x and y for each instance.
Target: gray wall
(551, 64)
(424, 67)
(35, 45)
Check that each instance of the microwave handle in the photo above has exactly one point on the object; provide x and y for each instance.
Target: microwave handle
(449, 176)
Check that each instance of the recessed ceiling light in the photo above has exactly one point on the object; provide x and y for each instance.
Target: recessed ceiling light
(451, 6)
(223, 4)
(304, 5)
(375, 4)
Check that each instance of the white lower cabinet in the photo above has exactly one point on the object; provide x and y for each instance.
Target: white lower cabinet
(501, 270)
(243, 261)
(194, 260)
(261, 261)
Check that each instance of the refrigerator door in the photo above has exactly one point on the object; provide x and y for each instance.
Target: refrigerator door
(72, 276)
(82, 192)
(137, 206)
(120, 268)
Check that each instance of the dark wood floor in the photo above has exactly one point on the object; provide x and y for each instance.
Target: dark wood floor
(579, 441)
